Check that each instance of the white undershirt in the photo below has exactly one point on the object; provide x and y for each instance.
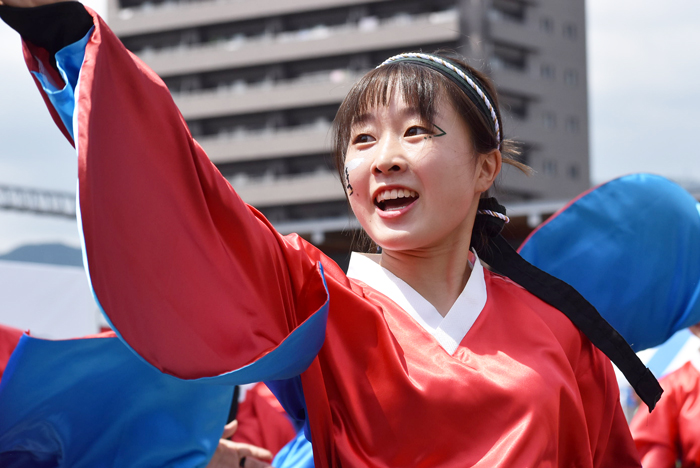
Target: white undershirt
(449, 330)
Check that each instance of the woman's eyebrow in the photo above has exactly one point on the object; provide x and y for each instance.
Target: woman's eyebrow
(410, 112)
(369, 117)
(363, 119)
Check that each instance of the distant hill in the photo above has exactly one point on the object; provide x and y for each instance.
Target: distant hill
(54, 254)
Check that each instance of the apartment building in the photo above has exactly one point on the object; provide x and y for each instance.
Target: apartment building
(259, 81)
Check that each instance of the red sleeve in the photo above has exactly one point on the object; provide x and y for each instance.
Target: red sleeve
(609, 435)
(193, 279)
(656, 433)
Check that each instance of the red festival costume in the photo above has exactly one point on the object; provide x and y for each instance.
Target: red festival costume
(9, 337)
(672, 431)
(200, 284)
(262, 421)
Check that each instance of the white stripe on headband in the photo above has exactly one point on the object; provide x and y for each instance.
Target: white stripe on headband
(463, 75)
(495, 214)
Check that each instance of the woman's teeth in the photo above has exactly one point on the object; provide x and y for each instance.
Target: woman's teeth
(396, 193)
(395, 199)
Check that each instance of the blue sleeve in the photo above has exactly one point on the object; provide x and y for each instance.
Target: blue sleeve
(296, 454)
(69, 60)
(90, 402)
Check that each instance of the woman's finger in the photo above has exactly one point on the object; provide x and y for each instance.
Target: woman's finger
(249, 462)
(225, 456)
(230, 429)
(247, 450)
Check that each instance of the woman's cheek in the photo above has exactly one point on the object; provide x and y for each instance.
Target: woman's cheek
(360, 194)
(360, 199)
(356, 179)
(349, 168)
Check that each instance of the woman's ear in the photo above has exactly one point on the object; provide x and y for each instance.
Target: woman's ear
(487, 170)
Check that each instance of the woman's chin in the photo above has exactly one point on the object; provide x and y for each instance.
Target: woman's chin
(398, 240)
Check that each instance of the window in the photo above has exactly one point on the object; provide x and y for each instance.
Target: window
(572, 125)
(547, 71)
(508, 10)
(570, 31)
(547, 24)
(514, 105)
(549, 167)
(549, 120)
(571, 77)
(189, 84)
(509, 57)
(574, 172)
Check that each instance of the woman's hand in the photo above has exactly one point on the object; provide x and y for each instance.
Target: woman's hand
(234, 454)
(29, 3)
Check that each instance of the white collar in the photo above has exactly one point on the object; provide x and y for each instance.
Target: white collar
(695, 360)
(448, 331)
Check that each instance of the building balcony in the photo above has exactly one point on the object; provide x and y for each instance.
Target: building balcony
(369, 34)
(511, 180)
(246, 146)
(317, 90)
(512, 32)
(529, 130)
(308, 188)
(171, 15)
(520, 82)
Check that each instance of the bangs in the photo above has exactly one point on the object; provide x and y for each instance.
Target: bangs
(418, 86)
(415, 85)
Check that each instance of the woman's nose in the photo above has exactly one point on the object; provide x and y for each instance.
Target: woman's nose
(390, 158)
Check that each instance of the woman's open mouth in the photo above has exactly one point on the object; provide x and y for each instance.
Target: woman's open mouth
(395, 199)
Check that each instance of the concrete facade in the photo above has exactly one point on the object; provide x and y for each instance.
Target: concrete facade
(258, 82)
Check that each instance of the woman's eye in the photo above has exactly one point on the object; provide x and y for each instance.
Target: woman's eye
(362, 138)
(417, 130)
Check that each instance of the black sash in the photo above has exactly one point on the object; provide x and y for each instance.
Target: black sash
(503, 259)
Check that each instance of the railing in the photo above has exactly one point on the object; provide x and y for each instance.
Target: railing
(238, 134)
(147, 7)
(241, 179)
(334, 77)
(126, 14)
(318, 32)
(322, 186)
(45, 202)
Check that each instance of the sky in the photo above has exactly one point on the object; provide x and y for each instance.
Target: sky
(644, 108)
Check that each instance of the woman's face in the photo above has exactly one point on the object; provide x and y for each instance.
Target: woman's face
(415, 185)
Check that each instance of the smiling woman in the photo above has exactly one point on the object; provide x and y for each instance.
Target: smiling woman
(419, 194)
(423, 92)
(418, 357)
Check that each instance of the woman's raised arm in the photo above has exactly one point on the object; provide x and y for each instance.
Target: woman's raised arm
(194, 280)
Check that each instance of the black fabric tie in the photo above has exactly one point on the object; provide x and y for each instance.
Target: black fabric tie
(502, 258)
